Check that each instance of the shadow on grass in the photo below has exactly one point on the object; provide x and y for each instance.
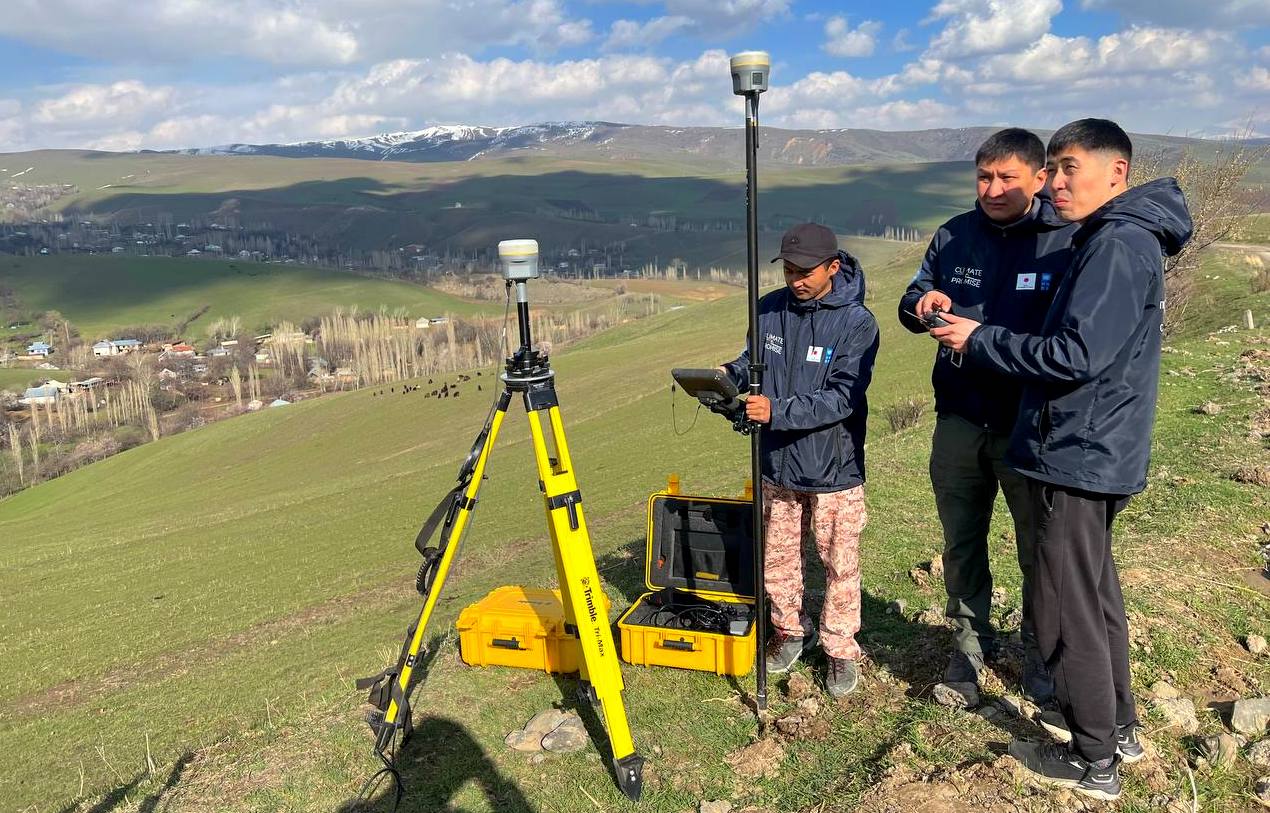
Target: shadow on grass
(440, 758)
(123, 797)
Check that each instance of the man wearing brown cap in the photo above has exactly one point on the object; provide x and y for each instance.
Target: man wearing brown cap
(819, 342)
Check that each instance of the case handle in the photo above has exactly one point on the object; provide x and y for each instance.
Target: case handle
(683, 646)
(506, 643)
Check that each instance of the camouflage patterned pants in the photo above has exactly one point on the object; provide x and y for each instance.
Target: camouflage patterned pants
(836, 520)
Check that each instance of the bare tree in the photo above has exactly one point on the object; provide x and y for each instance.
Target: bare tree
(1219, 201)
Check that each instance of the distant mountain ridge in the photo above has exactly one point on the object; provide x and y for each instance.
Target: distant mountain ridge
(599, 139)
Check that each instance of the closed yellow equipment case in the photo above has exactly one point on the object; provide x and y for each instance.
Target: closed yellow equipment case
(519, 626)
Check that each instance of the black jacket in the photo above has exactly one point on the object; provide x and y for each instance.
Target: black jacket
(1093, 370)
(997, 275)
(819, 357)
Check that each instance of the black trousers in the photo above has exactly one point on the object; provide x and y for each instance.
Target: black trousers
(1079, 614)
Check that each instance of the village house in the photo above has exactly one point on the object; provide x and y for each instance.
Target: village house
(115, 347)
(38, 349)
(40, 396)
(178, 350)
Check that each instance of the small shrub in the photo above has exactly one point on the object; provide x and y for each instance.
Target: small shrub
(906, 414)
(129, 436)
(1261, 281)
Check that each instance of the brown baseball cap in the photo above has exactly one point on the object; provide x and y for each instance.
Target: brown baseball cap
(807, 245)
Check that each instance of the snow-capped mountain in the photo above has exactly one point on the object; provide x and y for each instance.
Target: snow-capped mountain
(449, 142)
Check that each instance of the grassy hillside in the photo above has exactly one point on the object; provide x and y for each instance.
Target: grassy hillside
(211, 596)
(100, 294)
(378, 204)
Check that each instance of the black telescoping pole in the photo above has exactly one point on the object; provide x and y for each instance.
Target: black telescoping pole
(756, 388)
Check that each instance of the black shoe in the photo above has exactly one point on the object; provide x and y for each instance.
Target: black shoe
(783, 651)
(842, 677)
(964, 667)
(1128, 746)
(1054, 764)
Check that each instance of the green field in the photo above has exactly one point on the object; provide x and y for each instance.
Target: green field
(385, 204)
(101, 294)
(19, 378)
(212, 596)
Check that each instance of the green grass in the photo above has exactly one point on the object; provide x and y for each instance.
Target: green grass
(215, 593)
(102, 294)
(19, 378)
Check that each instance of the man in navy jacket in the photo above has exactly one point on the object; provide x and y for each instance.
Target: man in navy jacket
(1083, 438)
(999, 263)
(819, 342)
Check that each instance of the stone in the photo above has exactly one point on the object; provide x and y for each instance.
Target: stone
(799, 686)
(1014, 619)
(920, 576)
(1012, 705)
(956, 695)
(714, 807)
(1208, 408)
(990, 712)
(1256, 644)
(937, 568)
(788, 725)
(1164, 691)
(538, 758)
(1220, 750)
(530, 737)
(1249, 717)
(897, 607)
(999, 596)
(1259, 754)
(1179, 712)
(809, 706)
(568, 737)
(1262, 789)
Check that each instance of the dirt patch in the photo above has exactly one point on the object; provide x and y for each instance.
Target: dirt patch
(760, 759)
(1253, 475)
(975, 788)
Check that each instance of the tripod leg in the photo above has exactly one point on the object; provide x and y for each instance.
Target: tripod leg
(453, 533)
(580, 588)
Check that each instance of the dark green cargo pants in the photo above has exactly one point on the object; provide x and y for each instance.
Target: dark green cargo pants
(966, 470)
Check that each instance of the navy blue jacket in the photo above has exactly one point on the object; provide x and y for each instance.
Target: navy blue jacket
(995, 274)
(819, 357)
(1093, 370)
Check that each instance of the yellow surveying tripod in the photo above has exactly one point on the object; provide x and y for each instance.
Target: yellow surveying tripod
(526, 372)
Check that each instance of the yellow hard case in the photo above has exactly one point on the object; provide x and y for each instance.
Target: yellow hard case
(703, 546)
(522, 627)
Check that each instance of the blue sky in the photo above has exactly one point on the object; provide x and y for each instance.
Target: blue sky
(116, 74)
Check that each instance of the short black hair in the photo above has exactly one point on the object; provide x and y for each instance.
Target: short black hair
(1094, 135)
(1012, 141)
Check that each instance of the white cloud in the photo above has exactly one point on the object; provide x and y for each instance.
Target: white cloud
(843, 40)
(290, 32)
(900, 43)
(121, 103)
(976, 27)
(1111, 59)
(630, 35)
(1257, 80)
(1208, 14)
(719, 19)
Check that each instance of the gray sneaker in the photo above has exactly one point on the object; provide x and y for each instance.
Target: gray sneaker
(842, 677)
(783, 651)
(964, 667)
(1128, 746)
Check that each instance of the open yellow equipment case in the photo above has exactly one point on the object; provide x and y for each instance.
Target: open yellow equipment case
(699, 569)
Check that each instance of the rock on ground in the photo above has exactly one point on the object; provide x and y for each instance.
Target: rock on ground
(1179, 712)
(714, 807)
(1220, 750)
(1256, 644)
(530, 737)
(1249, 717)
(568, 737)
(956, 695)
(1164, 691)
(1259, 754)
(1262, 789)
